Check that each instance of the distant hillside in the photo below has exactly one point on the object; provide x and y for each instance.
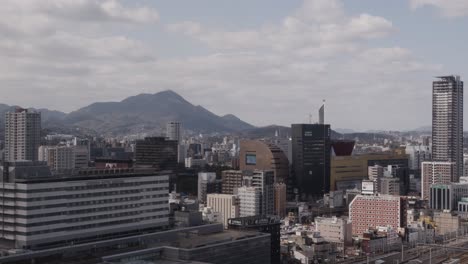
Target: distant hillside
(140, 113)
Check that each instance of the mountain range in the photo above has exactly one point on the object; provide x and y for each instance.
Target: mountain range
(143, 113)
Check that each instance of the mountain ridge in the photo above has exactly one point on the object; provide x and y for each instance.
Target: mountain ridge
(141, 113)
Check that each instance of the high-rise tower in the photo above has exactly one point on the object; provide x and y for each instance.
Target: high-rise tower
(311, 159)
(22, 135)
(447, 122)
(173, 131)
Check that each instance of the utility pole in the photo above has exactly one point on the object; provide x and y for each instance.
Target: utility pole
(402, 253)
(430, 255)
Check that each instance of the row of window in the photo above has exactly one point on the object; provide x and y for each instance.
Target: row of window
(83, 195)
(84, 211)
(84, 203)
(84, 227)
(86, 187)
(90, 218)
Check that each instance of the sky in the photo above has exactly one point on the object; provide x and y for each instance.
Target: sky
(265, 61)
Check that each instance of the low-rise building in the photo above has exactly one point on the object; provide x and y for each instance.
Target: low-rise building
(41, 210)
(335, 230)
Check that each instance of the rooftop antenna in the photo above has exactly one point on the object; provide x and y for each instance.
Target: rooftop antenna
(310, 118)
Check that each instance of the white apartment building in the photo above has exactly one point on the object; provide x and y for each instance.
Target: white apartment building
(249, 201)
(22, 135)
(435, 172)
(264, 181)
(42, 211)
(64, 157)
(226, 204)
(375, 173)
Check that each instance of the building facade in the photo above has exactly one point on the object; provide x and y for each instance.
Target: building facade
(174, 131)
(22, 135)
(447, 196)
(43, 211)
(418, 154)
(156, 152)
(371, 211)
(349, 171)
(264, 182)
(261, 155)
(206, 184)
(335, 230)
(375, 173)
(226, 204)
(64, 157)
(264, 224)
(447, 122)
(280, 199)
(435, 172)
(249, 201)
(389, 186)
(232, 179)
(311, 151)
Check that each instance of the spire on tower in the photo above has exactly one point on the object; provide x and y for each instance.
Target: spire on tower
(322, 113)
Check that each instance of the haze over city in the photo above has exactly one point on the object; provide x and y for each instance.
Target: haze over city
(233, 132)
(267, 62)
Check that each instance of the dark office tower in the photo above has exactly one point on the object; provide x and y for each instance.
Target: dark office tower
(156, 152)
(311, 159)
(447, 122)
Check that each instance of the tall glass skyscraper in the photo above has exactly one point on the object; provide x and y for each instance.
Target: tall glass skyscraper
(311, 159)
(447, 122)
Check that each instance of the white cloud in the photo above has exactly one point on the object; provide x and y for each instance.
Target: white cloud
(316, 25)
(449, 8)
(69, 53)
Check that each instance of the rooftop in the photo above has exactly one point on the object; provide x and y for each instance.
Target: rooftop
(194, 240)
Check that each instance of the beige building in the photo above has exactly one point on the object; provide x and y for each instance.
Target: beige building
(280, 199)
(226, 204)
(435, 172)
(346, 170)
(446, 222)
(335, 230)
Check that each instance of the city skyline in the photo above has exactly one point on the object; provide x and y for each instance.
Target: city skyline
(364, 57)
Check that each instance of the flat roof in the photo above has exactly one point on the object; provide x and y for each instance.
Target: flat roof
(196, 240)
